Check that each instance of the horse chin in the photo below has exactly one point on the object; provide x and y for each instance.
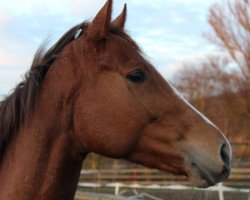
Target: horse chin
(199, 177)
(200, 183)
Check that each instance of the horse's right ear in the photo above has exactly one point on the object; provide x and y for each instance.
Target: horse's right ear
(119, 22)
(100, 26)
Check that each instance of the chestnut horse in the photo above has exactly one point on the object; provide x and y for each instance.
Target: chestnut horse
(94, 91)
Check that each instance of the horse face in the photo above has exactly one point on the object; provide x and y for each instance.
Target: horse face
(127, 110)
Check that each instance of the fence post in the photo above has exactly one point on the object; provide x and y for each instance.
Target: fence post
(117, 188)
(220, 191)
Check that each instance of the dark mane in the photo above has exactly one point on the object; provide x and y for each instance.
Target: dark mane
(18, 106)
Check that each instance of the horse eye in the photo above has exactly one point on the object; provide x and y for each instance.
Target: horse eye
(137, 76)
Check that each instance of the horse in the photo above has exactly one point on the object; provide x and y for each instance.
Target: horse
(95, 91)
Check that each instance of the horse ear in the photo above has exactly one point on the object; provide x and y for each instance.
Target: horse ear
(100, 26)
(119, 22)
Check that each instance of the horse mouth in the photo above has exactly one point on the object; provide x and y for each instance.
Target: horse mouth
(206, 179)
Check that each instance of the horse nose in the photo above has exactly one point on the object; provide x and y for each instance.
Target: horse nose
(226, 155)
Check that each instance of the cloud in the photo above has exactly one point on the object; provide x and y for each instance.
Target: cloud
(168, 31)
(86, 8)
(50, 7)
(9, 78)
(4, 18)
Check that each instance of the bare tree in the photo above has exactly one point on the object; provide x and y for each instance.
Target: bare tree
(215, 89)
(231, 24)
(206, 77)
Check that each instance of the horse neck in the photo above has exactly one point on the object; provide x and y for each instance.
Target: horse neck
(39, 162)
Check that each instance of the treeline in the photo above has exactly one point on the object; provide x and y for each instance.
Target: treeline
(222, 96)
(219, 85)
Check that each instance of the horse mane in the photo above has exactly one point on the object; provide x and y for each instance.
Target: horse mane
(18, 106)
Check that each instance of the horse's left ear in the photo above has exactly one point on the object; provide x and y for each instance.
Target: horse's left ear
(119, 22)
(100, 26)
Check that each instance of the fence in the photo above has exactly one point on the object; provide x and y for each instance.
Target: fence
(239, 181)
(239, 178)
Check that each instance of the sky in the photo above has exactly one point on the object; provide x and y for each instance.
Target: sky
(169, 31)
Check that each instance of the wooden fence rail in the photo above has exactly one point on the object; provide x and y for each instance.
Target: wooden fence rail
(240, 177)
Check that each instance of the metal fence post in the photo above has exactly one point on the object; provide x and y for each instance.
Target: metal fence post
(117, 187)
(220, 191)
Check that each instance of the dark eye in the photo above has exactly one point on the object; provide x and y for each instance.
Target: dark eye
(137, 76)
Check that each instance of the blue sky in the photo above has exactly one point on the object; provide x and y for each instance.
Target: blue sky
(169, 31)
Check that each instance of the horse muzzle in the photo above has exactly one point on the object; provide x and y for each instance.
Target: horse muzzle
(206, 170)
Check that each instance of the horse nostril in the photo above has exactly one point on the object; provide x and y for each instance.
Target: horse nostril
(226, 155)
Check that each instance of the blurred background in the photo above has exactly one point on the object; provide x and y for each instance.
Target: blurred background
(201, 47)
